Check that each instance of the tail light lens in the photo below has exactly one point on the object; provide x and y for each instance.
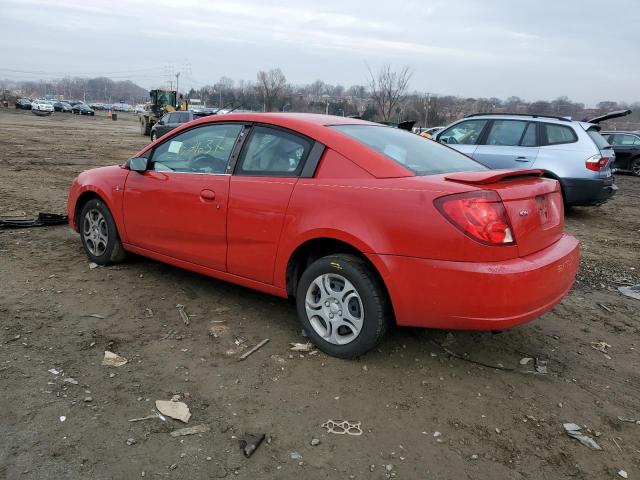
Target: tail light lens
(596, 163)
(480, 215)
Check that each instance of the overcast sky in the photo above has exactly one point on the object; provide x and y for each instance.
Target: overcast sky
(584, 49)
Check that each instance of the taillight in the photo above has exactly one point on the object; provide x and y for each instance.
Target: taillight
(596, 163)
(480, 215)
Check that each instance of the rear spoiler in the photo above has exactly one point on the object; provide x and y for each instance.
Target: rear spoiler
(491, 176)
(609, 116)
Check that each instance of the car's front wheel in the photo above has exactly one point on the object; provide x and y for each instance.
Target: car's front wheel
(635, 167)
(99, 234)
(342, 305)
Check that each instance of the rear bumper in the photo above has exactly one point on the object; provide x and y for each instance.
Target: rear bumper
(585, 192)
(479, 296)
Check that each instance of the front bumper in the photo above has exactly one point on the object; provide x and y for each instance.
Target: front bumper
(479, 296)
(586, 192)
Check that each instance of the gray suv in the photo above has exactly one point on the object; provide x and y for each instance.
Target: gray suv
(574, 153)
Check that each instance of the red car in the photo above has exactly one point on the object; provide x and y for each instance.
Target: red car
(365, 225)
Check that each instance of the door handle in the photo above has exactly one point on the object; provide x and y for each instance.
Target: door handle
(522, 159)
(208, 195)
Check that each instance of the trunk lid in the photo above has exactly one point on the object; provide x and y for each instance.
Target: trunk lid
(533, 204)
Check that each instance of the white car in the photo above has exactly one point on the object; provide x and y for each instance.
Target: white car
(41, 106)
(139, 108)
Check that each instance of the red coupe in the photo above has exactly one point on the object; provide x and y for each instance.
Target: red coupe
(365, 225)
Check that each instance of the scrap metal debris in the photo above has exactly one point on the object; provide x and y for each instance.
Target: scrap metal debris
(573, 431)
(183, 314)
(43, 220)
(250, 442)
(541, 366)
(633, 291)
(113, 359)
(629, 420)
(301, 347)
(254, 349)
(203, 428)
(600, 346)
(149, 417)
(175, 410)
(342, 427)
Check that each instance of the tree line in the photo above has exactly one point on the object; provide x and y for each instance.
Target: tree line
(385, 95)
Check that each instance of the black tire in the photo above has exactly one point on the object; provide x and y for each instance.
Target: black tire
(102, 253)
(376, 309)
(635, 167)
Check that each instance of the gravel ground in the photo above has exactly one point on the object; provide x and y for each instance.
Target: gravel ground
(432, 404)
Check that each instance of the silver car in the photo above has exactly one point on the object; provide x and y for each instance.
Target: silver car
(574, 153)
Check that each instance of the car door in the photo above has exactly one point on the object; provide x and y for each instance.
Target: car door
(508, 144)
(178, 207)
(265, 175)
(463, 136)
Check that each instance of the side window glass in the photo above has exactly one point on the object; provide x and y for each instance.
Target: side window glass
(203, 149)
(506, 133)
(165, 118)
(529, 138)
(464, 133)
(184, 117)
(628, 140)
(272, 152)
(557, 134)
(636, 141)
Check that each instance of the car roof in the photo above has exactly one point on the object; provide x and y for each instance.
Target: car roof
(315, 126)
(531, 117)
(633, 132)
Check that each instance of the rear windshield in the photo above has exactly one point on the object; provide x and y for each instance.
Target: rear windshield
(598, 139)
(418, 154)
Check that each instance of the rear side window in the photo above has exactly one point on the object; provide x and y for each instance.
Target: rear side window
(418, 154)
(273, 152)
(625, 140)
(463, 133)
(559, 134)
(510, 133)
(598, 139)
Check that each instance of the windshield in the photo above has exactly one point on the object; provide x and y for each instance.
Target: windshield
(418, 154)
(598, 139)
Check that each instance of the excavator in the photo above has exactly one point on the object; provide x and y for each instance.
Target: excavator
(162, 101)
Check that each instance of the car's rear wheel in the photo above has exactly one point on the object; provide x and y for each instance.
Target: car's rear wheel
(342, 305)
(99, 234)
(635, 167)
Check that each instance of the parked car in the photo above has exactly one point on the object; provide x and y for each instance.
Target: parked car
(364, 225)
(97, 106)
(172, 120)
(574, 153)
(430, 132)
(23, 104)
(627, 148)
(82, 109)
(73, 103)
(62, 107)
(139, 108)
(41, 106)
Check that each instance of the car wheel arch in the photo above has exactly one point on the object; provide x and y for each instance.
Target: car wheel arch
(310, 250)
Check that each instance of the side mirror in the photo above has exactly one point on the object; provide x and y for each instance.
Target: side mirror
(138, 164)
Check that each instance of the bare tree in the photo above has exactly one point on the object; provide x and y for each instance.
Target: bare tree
(271, 85)
(388, 89)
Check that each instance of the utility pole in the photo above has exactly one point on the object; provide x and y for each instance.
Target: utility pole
(177, 91)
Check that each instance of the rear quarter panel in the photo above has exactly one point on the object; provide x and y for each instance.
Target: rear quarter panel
(394, 216)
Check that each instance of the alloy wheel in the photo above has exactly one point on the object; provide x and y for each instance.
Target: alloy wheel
(334, 309)
(96, 232)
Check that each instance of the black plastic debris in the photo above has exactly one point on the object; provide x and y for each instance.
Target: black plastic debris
(43, 220)
(250, 442)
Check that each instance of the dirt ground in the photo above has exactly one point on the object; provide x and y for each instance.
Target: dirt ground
(494, 423)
